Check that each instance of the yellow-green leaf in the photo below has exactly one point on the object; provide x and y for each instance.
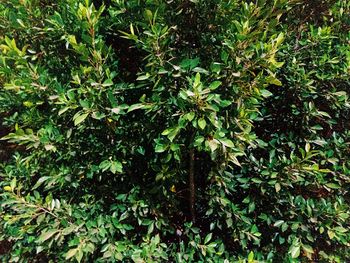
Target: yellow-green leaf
(202, 123)
(79, 118)
(71, 253)
(46, 235)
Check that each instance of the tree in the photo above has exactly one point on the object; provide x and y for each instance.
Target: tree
(185, 131)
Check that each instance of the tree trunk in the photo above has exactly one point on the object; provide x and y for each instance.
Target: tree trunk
(192, 197)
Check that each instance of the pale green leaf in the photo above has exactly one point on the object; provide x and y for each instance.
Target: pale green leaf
(80, 118)
(40, 181)
(160, 148)
(207, 238)
(71, 253)
(265, 93)
(331, 234)
(277, 187)
(143, 77)
(46, 235)
(136, 107)
(295, 251)
(227, 143)
(107, 82)
(202, 123)
(333, 186)
(116, 167)
(278, 223)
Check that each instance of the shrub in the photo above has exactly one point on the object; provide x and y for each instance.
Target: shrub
(174, 131)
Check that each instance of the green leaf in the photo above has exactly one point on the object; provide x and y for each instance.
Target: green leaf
(174, 147)
(325, 114)
(202, 123)
(50, 147)
(251, 257)
(107, 82)
(213, 144)
(227, 143)
(148, 14)
(40, 181)
(331, 234)
(8, 188)
(105, 165)
(279, 39)
(340, 229)
(265, 93)
(189, 63)
(79, 255)
(136, 107)
(13, 183)
(160, 148)
(207, 238)
(273, 80)
(295, 251)
(284, 227)
(277, 187)
(198, 140)
(197, 80)
(79, 118)
(214, 85)
(278, 223)
(333, 186)
(225, 103)
(234, 159)
(143, 77)
(71, 253)
(46, 235)
(167, 131)
(173, 133)
(200, 70)
(215, 67)
(63, 110)
(72, 40)
(132, 29)
(116, 167)
(307, 249)
(190, 116)
(307, 147)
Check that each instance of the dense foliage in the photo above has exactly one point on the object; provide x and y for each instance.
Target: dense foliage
(174, 131)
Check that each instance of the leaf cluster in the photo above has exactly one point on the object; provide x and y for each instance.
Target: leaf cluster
(174, 131)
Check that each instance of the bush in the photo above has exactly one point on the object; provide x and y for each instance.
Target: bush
(174, 131)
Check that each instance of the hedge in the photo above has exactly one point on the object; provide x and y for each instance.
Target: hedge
(174, 131)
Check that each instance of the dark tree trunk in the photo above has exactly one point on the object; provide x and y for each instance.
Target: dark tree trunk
(192, 197)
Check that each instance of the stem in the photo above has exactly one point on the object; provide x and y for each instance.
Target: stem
(192, 186)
